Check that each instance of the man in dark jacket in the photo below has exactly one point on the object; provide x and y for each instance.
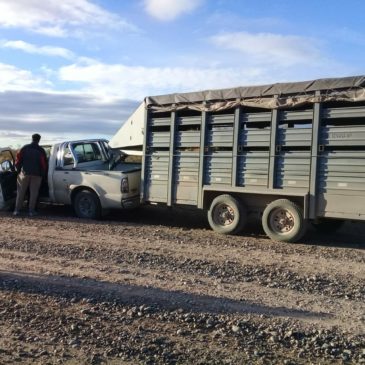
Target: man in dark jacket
(31, 165)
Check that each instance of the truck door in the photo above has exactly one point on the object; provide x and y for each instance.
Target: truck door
(61, 175)
(7, 178)
(76, 160)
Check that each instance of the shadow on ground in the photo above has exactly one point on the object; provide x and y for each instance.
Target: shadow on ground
(101, 291)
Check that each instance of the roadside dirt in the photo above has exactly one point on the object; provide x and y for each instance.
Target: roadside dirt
(159, 287)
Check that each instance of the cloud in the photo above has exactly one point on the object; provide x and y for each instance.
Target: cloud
(59, 116)
(136, 82)
(13, 78)
(167, 10)
(41, 50)
(269, 48)
(58, 18)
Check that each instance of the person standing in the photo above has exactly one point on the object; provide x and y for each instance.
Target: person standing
(31, 165)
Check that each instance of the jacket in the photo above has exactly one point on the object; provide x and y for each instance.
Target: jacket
(31, 160)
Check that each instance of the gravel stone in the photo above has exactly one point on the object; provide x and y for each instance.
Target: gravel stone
(161, 288)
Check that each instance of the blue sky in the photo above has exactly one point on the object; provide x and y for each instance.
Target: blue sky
(78, 68)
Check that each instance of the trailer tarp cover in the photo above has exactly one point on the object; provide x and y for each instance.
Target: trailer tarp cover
(270, 96)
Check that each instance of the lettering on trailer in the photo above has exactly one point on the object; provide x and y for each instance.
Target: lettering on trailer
(340, 135)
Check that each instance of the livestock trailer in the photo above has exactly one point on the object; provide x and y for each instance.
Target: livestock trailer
(289, 153)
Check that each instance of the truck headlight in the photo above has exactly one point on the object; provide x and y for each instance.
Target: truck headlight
(124, 187)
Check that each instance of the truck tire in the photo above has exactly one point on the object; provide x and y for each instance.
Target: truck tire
(227, 215)
(328, 226)
(283, 220)
(87, 205)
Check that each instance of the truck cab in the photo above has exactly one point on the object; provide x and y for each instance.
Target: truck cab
(86, 174)
(92, 177)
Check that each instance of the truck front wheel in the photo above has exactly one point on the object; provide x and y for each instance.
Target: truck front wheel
(227, 215)
(283, 220)
(87, 205)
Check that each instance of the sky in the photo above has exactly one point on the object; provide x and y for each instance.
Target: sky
(75, 69)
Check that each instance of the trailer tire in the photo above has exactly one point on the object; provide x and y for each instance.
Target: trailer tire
(328, 226)
(227, 215)
(282, 220)
(87, 205)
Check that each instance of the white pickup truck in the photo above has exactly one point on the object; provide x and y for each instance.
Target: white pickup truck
(86, 174)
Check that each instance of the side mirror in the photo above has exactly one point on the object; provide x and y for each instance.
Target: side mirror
(6, 166)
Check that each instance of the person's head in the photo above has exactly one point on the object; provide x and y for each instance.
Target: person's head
(36, 138)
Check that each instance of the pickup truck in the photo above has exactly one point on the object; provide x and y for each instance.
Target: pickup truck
(86, 174)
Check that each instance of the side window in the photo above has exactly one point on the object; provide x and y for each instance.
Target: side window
(86, 152)
(79, 152)
(67, 157)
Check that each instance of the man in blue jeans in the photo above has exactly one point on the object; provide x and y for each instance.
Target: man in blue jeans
(31, 165)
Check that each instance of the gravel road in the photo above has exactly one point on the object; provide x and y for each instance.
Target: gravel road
(131, 290)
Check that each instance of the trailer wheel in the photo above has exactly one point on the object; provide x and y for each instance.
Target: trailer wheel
(227, 215)
(283, 220)
(87, 205)
(328, 225)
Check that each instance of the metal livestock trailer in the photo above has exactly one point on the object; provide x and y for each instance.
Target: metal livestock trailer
(289, 153)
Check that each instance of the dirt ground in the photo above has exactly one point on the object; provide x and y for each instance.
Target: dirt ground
(159, 287)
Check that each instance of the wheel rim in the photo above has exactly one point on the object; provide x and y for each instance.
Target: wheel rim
(282, 221)
(86, 206)
(223, 215)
